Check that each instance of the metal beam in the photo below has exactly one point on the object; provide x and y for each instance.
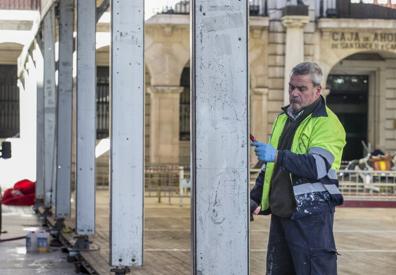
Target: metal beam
(49, 107)
(35, 30)
(65, 98)
(28, 96)
(127, 133)
(40, 143)
(220, 137)
(46, 6)
(101, 9)
(86, 120)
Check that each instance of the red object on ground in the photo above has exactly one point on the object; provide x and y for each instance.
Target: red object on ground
(23, 193)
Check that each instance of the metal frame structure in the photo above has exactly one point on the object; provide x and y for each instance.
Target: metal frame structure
(86, 117)
(38, 59)
(367, 184)
(64, 118)
(127, 135)
(220, 96)
(49, 107)
(220, 137)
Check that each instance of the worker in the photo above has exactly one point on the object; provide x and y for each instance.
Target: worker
(299, 185)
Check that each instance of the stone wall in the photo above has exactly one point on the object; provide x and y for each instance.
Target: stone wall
(390, 105)
(325, 41)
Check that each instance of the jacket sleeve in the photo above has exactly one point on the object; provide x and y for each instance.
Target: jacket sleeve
(257, 190)
(310, 166)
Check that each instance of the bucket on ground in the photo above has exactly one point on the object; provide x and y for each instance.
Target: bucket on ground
(31, 242)
(42, 242)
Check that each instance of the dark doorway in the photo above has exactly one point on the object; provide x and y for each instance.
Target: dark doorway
(9, 102)
(102, 102)
(185, 105)
(184, 119)
(348, 98)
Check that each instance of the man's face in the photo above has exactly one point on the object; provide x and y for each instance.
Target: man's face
(302, 91)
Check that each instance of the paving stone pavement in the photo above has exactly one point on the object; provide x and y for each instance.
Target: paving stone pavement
(13, 257)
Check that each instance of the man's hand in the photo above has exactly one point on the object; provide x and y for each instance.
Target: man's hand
(264, 152)
(257, 211)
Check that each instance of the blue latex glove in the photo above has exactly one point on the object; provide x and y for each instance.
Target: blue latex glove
(264, 152)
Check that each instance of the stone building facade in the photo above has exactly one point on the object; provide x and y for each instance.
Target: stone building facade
(358, 57)
(354, 43)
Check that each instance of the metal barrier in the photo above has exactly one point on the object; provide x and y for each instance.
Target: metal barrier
(171, 180)
(161, 178)
(367, 185)
(360, 184)
(185, 184)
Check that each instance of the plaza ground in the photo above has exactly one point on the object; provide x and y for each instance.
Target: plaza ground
(366, 240)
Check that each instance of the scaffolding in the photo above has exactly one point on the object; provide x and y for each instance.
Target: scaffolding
(50, 78)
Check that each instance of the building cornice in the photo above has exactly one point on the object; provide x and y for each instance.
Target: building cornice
(165, 89)
(258, 21)
(295, 21)
(347, 23)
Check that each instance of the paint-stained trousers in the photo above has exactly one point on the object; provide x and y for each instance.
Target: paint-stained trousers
(302, 246)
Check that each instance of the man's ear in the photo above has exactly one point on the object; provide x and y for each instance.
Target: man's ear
(318, 90)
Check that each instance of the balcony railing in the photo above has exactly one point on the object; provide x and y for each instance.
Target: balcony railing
(182, 7)
(375, 9)
(256, 8)
(19, 4)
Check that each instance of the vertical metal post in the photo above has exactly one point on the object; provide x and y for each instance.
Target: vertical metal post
(65, 97)
(40, 144)
(30, 95)
(86, 120)
(49, 107)
(220, 137)
(127, 133)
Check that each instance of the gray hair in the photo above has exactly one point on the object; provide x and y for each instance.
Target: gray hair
(310, 68)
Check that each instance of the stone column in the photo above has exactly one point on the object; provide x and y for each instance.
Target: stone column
(259, 117)
(294, 52)
(164, 123)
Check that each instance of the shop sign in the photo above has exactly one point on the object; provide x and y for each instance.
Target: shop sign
(385, 41)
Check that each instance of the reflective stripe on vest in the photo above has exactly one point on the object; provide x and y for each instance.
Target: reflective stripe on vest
(307, 188)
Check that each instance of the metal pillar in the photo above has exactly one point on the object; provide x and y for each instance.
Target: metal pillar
(49, 107)
(40, 144)
(220, 137)
(65, 97)
(30, 96)
(86, 121)
(127, 134)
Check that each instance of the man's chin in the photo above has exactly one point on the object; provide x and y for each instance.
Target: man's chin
(295, 107)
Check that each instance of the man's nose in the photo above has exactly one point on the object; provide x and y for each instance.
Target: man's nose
(294, 91)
